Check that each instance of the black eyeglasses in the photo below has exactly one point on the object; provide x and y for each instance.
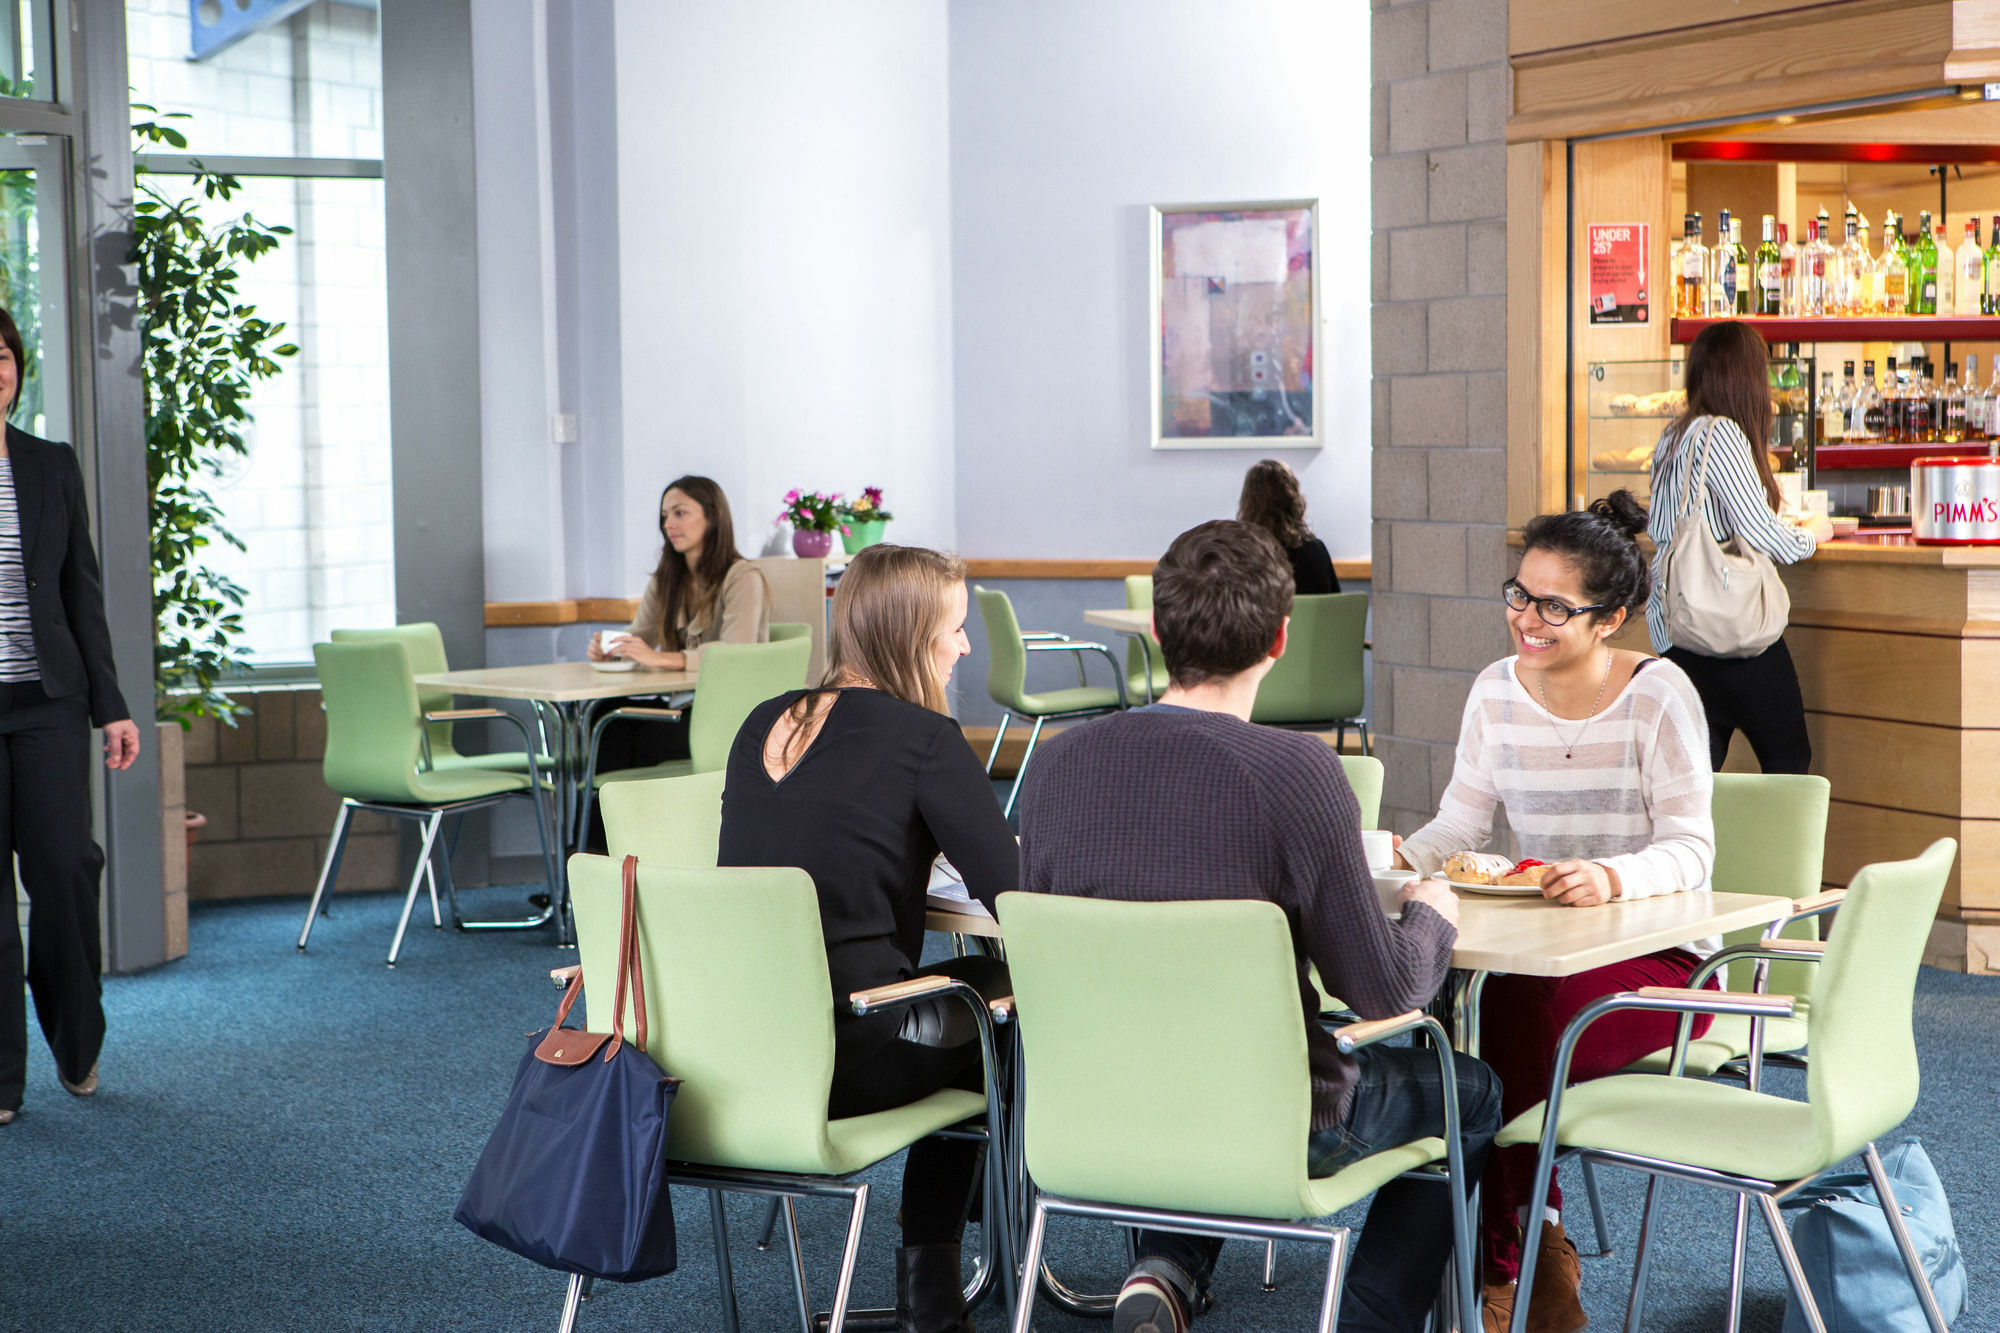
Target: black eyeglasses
(1549, 609)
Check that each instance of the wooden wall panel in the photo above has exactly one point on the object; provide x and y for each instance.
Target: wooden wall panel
(1537, 334)
(1535, 26)
(1908, 598)
(1902, 677)
(1859, 834)
(1903, 766)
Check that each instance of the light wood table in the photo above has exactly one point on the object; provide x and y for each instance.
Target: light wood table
(1135, 624)
(564, 695)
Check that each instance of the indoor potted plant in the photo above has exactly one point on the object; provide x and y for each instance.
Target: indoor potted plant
(862, 521)
(814, 518)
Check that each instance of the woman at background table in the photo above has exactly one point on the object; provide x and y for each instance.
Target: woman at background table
(57, 681)
(861, 782)
(1600, 756)
(702, 592)
(1728, 415)
(1272, 500)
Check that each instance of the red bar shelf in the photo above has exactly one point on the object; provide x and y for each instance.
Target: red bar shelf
(1855, 329)
(1836, 457)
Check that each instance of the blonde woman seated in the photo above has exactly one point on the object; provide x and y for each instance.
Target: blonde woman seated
(1600, 756)
(861, 783)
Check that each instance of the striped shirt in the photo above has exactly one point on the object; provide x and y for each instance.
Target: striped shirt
(1635, 796)
(17, 636)
(1733, 499)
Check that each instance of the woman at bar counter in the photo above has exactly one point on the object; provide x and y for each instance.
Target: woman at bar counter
(1729, 408)
(1600, 757)
(861, 783)
(56, 682)
(1272, 500)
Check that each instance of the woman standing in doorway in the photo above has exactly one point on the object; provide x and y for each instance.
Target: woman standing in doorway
(56, 682)
(1728, 419)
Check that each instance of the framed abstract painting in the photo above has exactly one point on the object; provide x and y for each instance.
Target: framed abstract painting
(1235, 325)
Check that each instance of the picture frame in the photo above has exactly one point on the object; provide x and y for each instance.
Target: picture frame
(1236, 321)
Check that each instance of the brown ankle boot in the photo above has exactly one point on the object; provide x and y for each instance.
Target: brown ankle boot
(1556, 1305)
(1496, 1307)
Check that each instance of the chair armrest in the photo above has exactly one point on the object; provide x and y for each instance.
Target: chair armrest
(1794, 948)
(1685, 999)
(1369, 1031)
(1815, 903)
(898, 992)
(1080, 648)
(466, 714)
(1002, 1008)
(562, 976)
(655, 714)
(1042, 636)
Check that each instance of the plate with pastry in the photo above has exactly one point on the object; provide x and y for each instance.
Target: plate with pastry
(1488, 872)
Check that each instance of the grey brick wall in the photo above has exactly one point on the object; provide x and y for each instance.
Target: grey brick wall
(1440, 394)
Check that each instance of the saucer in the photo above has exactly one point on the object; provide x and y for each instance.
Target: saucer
(615, 664)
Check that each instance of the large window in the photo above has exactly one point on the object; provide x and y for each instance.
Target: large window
(294, 107)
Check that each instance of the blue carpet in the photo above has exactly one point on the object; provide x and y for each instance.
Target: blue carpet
(281, 1139)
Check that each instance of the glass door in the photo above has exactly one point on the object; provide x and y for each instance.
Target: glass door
(34, 286)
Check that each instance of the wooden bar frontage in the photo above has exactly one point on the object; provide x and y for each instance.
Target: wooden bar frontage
(1632, 127)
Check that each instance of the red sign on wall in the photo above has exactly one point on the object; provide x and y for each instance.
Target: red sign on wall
(1620, 257)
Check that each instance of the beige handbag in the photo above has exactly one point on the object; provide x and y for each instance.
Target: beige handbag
(1723, 599)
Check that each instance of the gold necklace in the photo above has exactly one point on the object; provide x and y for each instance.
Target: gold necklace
(1541, 688)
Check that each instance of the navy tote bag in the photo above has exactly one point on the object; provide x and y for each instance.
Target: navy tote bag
(574, 1176)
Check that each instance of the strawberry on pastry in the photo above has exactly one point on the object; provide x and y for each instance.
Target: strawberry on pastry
(1524, 873)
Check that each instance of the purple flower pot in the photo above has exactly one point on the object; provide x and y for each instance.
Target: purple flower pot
(811, 545)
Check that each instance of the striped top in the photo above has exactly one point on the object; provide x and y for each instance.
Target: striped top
(1635, 796)
(17, 636)
(1734, 500)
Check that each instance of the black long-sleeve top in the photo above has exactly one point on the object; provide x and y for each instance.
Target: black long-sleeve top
(1165, 803)
(883, 788)
(1312, 569)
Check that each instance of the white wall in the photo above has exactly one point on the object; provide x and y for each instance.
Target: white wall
(1067, 121)
(784, 252)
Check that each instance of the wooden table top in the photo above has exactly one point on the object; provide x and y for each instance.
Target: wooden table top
(1535, 937)
(1124, 621)
(557, 682)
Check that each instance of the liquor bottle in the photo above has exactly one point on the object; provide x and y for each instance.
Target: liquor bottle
(1767, 273)
(1853, 278)
(1746, 298)
(1788, 269)
(1866, 418)
(1943, 299)
(1722, 270)
(1917, 416)
(1952, 395)
(1892, 272)
(1815, 293)
(1691, 287)
(1989, 299)
(1893, 422)
(1968, 279)
(1832, 414)
(1975, 400)
(1922, 292)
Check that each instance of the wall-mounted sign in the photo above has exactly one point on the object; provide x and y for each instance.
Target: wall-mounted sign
(1620, 257)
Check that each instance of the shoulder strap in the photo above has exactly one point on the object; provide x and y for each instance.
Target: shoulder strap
(1697, 467)
(628, 965)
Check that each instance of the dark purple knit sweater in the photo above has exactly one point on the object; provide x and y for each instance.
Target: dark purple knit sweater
(1160, 804)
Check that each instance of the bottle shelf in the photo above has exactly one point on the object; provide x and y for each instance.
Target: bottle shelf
(1855, 328)
(1880, 454)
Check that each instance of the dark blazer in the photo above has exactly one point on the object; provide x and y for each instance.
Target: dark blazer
(65, 592)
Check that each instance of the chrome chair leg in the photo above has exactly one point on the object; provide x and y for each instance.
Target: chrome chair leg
(431, 884)
(1270, 1265)
(1795, 1274)
(1886, 1193)
(1034, 734)
(770, 1224)
(999, 734)
(1732, 1321)
(1635, 1307)
(572, 1300)
(1031, 1264)
(329, 871)
(431, 823)
(791, 1208)
(849, 1253)
(718, 1225)
(1596, 1209)
(1336, 1261)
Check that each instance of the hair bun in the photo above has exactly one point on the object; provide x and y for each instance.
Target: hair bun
(1623, 511)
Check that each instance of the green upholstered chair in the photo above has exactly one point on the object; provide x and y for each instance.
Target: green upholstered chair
(734, 679)
(734, 965)
(1365, 774)
(1317, 684)
(1145, 665)
(374, 745)
(1110, 994)
(425, 646)
(1862, 1082)
(665, 821)
(780, 630)
(1007, 650)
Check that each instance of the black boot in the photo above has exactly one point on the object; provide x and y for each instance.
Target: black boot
(929, 1294)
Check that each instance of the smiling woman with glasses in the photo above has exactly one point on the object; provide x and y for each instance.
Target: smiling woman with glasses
(1600, 756)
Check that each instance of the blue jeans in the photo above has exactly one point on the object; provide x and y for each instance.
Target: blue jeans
(1397, 1267)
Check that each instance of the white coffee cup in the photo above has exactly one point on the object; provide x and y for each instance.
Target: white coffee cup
(1379, 846)
(1389, 885)
(607, 638)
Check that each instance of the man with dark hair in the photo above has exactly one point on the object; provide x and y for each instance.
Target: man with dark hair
(1186, 799)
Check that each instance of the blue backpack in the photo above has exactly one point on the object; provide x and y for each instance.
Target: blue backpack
(1850, 1257)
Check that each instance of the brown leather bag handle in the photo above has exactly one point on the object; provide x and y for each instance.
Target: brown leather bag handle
(628, 963)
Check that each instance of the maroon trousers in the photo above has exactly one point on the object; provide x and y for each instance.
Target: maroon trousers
(1521, 1020)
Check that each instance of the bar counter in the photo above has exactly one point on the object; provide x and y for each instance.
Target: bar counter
(1898, 653)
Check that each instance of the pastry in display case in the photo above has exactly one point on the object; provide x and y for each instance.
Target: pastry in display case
(1630, 403)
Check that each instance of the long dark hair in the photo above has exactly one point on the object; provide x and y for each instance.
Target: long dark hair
(694, 590)
(1272, 500)
(1728, 375)
(10, 335)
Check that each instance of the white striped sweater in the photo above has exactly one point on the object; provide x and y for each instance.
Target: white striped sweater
(1634, 796)
(17, 636)
(1734, 501)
